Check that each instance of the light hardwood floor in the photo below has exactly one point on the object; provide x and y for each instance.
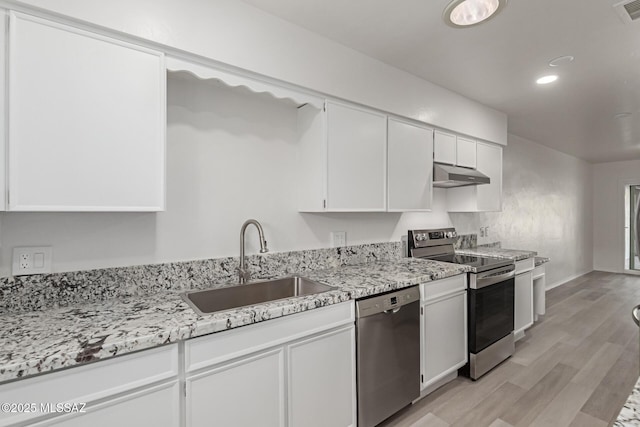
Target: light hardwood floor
(575, 367)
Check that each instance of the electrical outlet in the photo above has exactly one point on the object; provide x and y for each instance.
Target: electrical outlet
(338, 239)
(32, 260)
(481, 231)
(486, 231)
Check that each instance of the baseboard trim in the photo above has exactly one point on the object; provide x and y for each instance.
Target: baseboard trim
(567, 280)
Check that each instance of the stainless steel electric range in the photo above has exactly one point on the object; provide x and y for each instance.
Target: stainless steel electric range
(490, 302)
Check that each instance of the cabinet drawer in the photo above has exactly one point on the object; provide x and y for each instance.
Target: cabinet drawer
(439, 288)
(90, 382)
(216, 348)
(525, 265)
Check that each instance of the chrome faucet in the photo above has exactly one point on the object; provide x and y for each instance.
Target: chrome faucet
(243, 273)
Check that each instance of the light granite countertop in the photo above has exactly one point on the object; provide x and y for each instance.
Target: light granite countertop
(45, 340)
(494, 252)
(539, 260)
(630, 413)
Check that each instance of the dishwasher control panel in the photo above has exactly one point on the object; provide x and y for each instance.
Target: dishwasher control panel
(391, 302)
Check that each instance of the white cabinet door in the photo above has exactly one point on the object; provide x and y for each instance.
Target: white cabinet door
(444, 148)
(247, 392)
(410, 167)
(157, 406)
(322, 380)
(444, 337)
(523, 310)
(490, 164)
(356, 159)
(3, 65)
(466, 152)
(485, 197)
(86, 120)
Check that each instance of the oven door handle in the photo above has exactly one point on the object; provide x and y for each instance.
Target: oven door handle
(493, 278)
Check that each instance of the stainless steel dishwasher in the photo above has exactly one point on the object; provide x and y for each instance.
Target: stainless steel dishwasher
(388, 354)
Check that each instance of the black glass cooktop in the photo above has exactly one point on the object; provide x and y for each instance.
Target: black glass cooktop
(479, 264)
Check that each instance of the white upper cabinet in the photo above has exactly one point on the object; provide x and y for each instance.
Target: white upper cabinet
(484, 197)
(356, 154)
(466, 152)
(86, 120)
(410, 167)
(342, 159)
(454, 150)
(444, 147)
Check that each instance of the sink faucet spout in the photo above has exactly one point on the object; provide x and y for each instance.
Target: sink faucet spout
(243, 273)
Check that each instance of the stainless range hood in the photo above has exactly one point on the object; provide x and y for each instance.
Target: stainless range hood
(447, 176)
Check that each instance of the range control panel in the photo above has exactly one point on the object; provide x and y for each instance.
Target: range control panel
(425, 238)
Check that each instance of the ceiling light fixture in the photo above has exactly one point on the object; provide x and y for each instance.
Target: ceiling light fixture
(545, 80)
(561, 60)
(466, 13)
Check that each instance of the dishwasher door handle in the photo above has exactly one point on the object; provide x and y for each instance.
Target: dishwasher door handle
(392, 311)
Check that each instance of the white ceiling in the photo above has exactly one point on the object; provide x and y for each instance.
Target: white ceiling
(497, 63)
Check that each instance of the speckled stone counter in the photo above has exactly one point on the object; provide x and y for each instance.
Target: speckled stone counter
(48, 339)
(494, 252)
(539, 260)
(630, 414)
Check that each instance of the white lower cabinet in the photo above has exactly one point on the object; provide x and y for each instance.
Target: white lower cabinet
(320, 383)
(523, 309)
(157, 406)
(443, 329)
(297, 370)
(246, 392)
(136, 389)
(523, 305)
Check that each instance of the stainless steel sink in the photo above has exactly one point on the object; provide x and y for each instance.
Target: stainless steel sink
(218, 299)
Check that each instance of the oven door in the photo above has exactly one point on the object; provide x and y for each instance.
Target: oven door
(491, 306)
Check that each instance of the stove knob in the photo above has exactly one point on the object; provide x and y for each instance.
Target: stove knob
(449, 234)
(454, 234)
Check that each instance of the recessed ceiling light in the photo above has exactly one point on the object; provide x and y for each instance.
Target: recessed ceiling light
(622, 115)
(465, 13)
(545, 80)
(561, 60)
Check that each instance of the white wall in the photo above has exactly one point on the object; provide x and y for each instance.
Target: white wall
(235, 33)
(230, 157)
(609, 180)
(547, 207)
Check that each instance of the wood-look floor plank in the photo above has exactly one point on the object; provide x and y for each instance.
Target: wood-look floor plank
(526, 409)
(575, 367)
(430, 420)
(475, 392)
(500, 423)
(489, 410)
(597, 367)
(563, 409)
(613, 390)
(536, 371)
(586, 420)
